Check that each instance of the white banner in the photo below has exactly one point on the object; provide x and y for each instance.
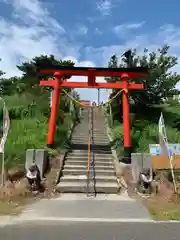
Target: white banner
(6, 125)
(164, 146)
(163, 137)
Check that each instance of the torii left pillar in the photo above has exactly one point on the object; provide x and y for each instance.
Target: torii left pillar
(126, 120)
(56, 85)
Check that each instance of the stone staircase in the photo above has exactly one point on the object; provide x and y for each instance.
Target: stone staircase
(74, 173)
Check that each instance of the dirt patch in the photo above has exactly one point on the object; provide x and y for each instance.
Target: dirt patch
(14, 196)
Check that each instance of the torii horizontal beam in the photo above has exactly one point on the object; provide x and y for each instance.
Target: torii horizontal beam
(116, 85)
(138, 72)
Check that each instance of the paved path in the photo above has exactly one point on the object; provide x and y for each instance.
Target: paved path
(71, 206)
(46, 230)
(78, 218)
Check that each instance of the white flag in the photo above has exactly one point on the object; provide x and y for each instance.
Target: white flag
(164, 146)
(6, 125)
(163, 137)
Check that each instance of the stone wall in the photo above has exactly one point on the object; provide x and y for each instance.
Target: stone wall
(139, 162)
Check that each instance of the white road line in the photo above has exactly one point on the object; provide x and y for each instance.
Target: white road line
(65, 219)
(16, 220)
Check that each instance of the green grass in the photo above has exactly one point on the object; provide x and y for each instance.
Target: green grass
(29, 127)
(144, 132)
(30, 133)
(24, 134)
(167, 211)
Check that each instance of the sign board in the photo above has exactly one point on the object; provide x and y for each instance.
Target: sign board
(155, 149)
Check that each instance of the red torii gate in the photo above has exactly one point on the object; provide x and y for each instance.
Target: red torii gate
(124, 73)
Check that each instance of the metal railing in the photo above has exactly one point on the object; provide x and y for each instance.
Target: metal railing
(91, 178)
(93, 173)
(89, 152)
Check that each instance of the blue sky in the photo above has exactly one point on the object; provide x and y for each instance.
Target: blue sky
(86, 31)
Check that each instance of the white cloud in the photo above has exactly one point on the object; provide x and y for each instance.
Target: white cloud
(98, 31)
(34, 12)
(166, 34)
(105, 7)
(38, 34)
(82, 30)
(123, 29)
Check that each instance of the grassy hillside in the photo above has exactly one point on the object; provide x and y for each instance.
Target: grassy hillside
(145, 131)
(29, 115)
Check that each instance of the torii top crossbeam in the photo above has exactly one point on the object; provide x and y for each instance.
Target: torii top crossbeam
(92, 73)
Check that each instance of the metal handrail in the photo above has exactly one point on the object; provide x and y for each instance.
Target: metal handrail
(93, 157)
(89, 153)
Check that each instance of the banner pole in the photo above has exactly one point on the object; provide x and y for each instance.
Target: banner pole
(172, 172)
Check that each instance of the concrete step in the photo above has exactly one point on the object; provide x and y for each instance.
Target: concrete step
(84, 167)
(85, 142)
(84, 172)
(77, 135)
(81, 187)
(80, 133)
(81, 178)
(81, 153)
(84, 131)
(100, 142)
(84, 135)
(78, 151)
(93, 142)
(100, 130)
(103, 139)
(96, 140)
(85, 157)
(104, 150)
(84, 163)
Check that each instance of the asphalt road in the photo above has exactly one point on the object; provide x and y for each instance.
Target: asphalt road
(43, 230)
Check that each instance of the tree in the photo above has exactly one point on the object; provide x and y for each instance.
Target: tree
(11, 86)
(31, 69)
(116, 103)
(161, 82)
